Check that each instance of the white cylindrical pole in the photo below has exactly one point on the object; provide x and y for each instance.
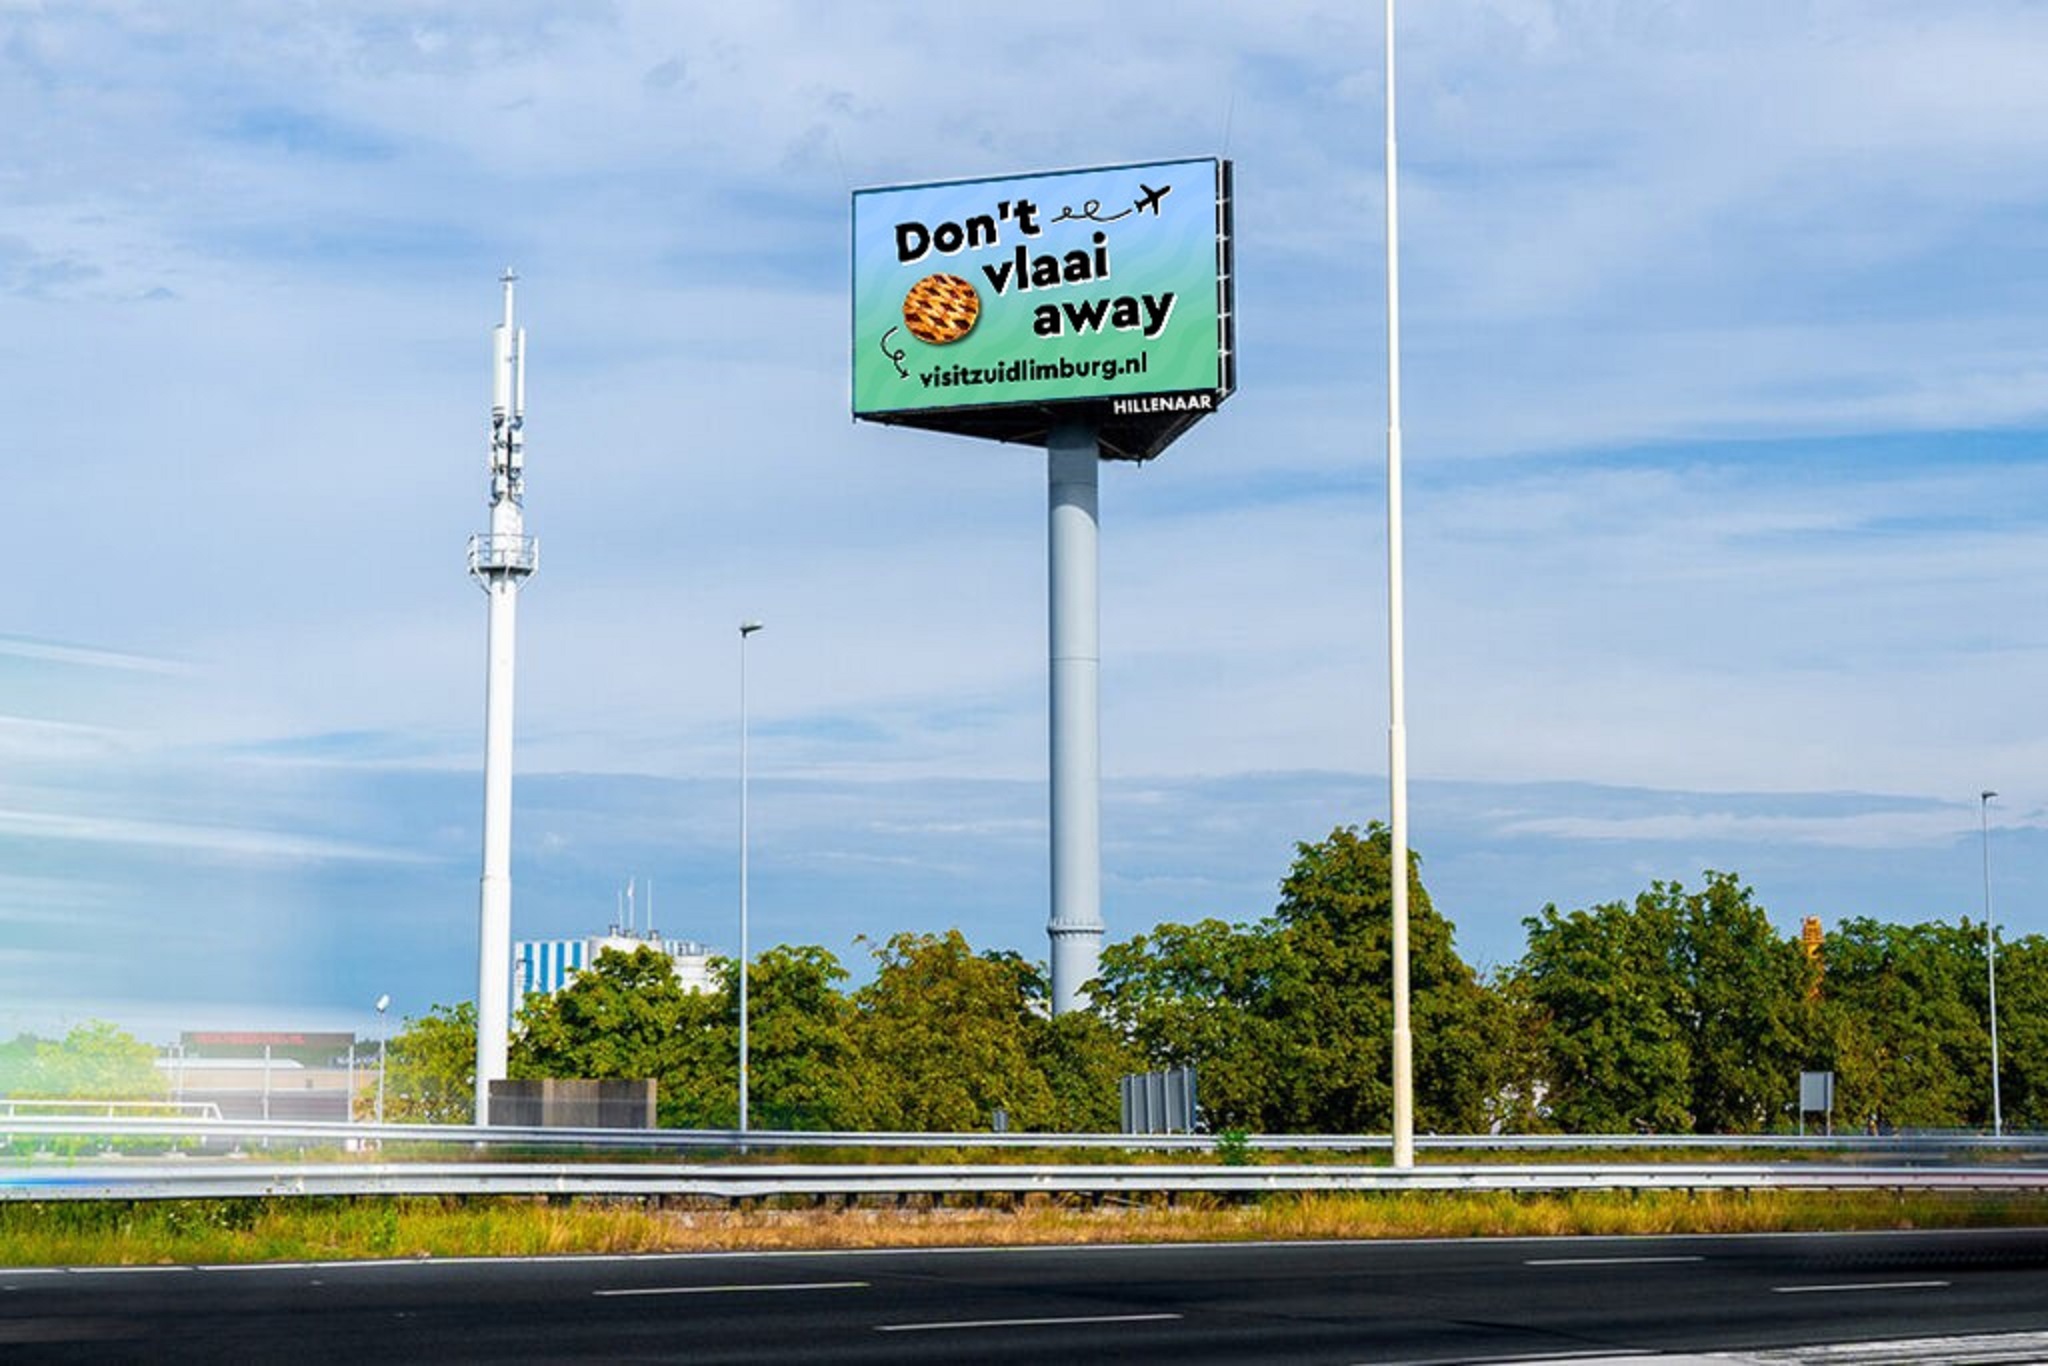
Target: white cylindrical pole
(383, 1038)
(1991, 962)
(494, 920)
(1397, 721)
(747, 628)
(1074, 622)
(500, 560)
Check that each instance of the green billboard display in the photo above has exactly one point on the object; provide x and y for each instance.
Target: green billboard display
(999, 308)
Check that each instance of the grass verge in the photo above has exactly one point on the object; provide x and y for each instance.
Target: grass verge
(135, 1233)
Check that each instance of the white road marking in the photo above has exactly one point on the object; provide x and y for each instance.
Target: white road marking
(1607, 1261)
(963, 1324)
(1980, 1349)
(1854, 1286)
(1614, 1356)
(736, 1289)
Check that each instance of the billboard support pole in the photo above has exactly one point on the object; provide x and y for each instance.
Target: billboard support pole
(1073, 460)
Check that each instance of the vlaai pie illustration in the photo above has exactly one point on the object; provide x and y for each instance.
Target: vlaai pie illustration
(941, 308)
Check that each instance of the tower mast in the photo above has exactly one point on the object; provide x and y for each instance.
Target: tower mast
(500, 560)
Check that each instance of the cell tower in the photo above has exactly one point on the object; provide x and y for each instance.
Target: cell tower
(500, 561)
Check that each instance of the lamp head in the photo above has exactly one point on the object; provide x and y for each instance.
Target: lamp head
(1986, 795)
(748, 628)
(383, 1003)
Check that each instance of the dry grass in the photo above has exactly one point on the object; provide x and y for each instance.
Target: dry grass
(213, 1231)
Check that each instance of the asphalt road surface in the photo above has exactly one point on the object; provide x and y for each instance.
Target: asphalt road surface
(1919, 1297)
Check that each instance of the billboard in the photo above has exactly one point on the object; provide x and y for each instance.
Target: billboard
(999, 308)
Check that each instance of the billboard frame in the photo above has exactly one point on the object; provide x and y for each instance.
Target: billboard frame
(1133, 424)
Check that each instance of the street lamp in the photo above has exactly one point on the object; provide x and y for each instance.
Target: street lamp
(1991, 959)
(383, 1004)
(1401, 1037)
(747, 628)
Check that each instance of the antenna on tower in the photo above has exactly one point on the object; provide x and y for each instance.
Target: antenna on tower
(508, 402)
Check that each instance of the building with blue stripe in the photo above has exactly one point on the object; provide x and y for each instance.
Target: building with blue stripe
(548, 965)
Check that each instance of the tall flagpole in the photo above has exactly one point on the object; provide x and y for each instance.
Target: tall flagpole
(1397, 721)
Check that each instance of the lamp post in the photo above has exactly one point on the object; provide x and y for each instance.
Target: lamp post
(383, 1004)
(1401, 1040)
(1991, 959)
(747, 628)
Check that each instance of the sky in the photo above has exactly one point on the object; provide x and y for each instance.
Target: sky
(1726, 446)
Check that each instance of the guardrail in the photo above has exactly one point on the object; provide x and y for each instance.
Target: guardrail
(212, 1158)
(313, 1133)
(109, 1109)
(154, 1181)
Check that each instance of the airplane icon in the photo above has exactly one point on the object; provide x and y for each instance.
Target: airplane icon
(1150, 199)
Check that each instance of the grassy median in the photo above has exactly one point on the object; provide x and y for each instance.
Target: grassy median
(315, 1229)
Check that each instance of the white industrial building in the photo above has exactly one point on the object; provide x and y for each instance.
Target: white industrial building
(548, 965)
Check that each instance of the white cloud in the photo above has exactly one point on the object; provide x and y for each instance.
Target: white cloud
(1886, 830)
(87, 657)
(202, 842)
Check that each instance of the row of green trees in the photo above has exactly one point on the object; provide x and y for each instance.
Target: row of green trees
(95, 1060)
(1683, 1010)
(941, 1039)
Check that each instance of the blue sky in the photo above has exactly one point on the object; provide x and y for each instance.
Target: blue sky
(1726, 417)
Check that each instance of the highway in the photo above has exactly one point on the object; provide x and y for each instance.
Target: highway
(1952, 1297)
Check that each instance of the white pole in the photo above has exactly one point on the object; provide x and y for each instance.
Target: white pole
(501, 560)
(383, 1035)
(1991, 962)
(1397, 721)
(1073, 460)
(494, 921)
(747, 628)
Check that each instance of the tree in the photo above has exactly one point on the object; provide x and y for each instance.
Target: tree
(1616, 1055)
(1083, 1059)
(800, 1045)
(942, 1037)
(1336, 914)
(1748, 1025)
(1681, 1010)
(1289, 1021)
(430, 1069)
(1905, 1016)
(96, 1060)
(627, 1018)
(2023, 1032)
(1201, 996)
(17, 1065)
